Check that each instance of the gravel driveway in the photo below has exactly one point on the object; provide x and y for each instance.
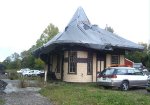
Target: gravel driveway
(22, 96)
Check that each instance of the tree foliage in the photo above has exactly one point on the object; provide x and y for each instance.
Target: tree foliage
(47, 34)
(146, 60)
(140, 56)
(13, 61)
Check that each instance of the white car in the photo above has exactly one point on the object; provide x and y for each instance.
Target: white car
(23, 70)
(27, 73)
(36, 72)
(122, 77)
(31, 73)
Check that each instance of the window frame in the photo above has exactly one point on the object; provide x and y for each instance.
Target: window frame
(72, 61)
(90, 63)
(115, 62)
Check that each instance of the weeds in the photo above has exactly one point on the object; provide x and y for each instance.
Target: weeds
(31, 82)
(90, 94)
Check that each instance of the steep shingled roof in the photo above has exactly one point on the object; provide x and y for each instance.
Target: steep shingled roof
(81, 31)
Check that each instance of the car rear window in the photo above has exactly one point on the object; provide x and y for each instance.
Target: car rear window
(108, 71)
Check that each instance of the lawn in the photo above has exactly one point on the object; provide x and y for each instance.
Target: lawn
(90, 94)
(1, 102)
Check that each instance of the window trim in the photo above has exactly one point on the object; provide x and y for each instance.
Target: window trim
(118, 59)
(90, 64)
(74, 63)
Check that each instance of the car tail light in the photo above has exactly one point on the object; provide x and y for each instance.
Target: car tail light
(112, 76)
(99, 76)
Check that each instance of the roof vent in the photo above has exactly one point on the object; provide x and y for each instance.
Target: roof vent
(86, 27)
(66, 28)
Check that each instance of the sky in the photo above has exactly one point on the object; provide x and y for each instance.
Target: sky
(23, 21)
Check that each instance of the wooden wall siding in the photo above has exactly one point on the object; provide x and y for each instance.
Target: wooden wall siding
(98, 65)
(102, 65)
(82, 54)
(108, 60)
(65, 54)
(122, 60)
(94, 68)
(82, 59)
(82, 72)
(78, 60)
(81, 75)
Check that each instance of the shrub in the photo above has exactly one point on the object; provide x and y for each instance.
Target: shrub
(13, 76)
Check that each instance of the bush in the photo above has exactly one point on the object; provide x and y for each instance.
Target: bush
(13, 76)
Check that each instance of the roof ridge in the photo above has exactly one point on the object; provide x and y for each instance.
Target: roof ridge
(79, 17)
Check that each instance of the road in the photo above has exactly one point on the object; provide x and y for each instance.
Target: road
(22, 96)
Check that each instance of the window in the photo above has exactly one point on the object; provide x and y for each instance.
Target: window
(137, 72)
(89, 63)
(115, 59)
(122, 71)
(130, 71)
(108, 71)
(72, 62)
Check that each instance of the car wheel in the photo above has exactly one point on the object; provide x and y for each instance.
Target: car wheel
(124, 86)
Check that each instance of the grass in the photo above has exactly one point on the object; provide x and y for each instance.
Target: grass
(89, 94)
(1, 102)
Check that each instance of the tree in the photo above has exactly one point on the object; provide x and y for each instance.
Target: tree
(13, 61)
(135, 56)
(108, 28)
(24, 54)
(146, 60)
(140, 56)
(47, 34)
(15, 56)
(28, 62)
(39, 64)
(26, 59)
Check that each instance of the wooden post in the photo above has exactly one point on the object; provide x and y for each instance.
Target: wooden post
(45, 77)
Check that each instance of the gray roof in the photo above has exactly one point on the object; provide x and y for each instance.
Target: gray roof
(81, 31)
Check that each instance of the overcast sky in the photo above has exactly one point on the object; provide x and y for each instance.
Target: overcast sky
(23, 21)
